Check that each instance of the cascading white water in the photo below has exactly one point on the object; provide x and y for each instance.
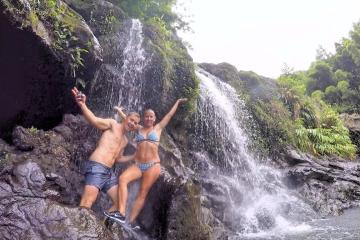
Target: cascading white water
(132, 68)
(122, 75)
(257, 200)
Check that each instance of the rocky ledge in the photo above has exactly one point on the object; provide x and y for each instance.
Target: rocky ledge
(330, 185)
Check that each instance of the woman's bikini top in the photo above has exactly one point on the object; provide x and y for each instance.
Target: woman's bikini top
(151, 137)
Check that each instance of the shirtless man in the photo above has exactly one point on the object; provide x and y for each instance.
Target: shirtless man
(99, 174)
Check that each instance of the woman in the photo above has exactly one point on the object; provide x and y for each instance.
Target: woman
(147, 164)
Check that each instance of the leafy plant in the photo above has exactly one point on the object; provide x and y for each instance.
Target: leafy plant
(33, 130)
(53, 14)
(319, 129)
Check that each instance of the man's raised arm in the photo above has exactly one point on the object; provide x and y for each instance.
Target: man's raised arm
(99, 123)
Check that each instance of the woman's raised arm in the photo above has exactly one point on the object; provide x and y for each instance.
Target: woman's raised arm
(166, 119)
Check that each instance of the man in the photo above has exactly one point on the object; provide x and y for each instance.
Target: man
(99, 174)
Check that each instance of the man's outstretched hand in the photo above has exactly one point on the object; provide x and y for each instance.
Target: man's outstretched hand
(182, 100)
(80, 98)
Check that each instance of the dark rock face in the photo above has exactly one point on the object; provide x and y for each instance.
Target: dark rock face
(27, 66)
(39, 175)
(329, 185)
(187, 213)
(35, 75)
(352, 122)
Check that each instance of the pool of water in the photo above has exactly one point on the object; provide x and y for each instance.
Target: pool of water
(343, 227)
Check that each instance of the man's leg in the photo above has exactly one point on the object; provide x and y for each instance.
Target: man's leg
(89, 196)
(149, 178)
(113, 194)
(129, 175)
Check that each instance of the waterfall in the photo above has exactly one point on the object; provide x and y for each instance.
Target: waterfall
(121, 77)
(132, 68)
(248, 197)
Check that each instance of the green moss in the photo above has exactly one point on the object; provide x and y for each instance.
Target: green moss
(34, 20)
(176, 63)
(275, 127)
(106, 23)
(190, 224)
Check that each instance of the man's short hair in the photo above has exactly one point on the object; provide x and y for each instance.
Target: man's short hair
(134, 114)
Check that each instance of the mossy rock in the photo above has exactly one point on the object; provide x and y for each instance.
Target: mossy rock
(102, 16)
(187, 217)
(62, 29)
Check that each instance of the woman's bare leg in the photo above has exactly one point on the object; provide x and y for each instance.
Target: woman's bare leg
(149, 178)
(129, 175)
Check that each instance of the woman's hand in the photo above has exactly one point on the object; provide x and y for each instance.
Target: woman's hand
(120, 111)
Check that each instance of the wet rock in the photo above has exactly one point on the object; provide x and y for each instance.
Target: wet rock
(22, 139)
(97, 15)
(27, 212)
(330, 185)
(188, 219)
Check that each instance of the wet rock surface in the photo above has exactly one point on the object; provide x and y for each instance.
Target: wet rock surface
(329, 185)
(41, 184)
(28, 211)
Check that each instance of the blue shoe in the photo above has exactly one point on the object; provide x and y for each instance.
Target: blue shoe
(115, 216)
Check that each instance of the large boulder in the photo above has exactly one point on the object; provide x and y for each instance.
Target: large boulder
(28, 212)
(329, 185)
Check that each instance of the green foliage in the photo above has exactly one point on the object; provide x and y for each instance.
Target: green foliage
(342, 70)
(276, 127)
(61, 21)
(147, 9)
(318, 94)
(341, 75)
(33, 130)
(332, 138)
(332, 79)
(105, 23)
(192, 93)
(332, 94)
(343, 86)
(321, 76)
(319, 129)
